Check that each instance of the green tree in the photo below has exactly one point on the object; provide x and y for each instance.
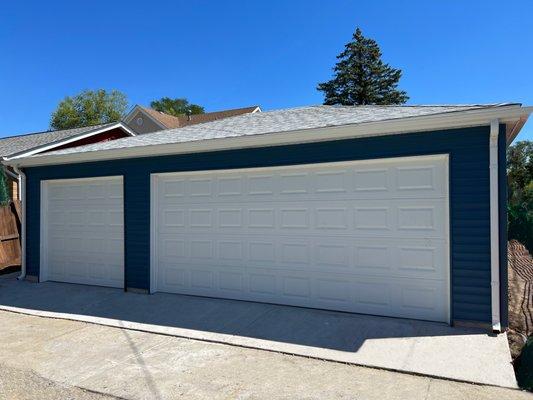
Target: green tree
(176, 107)
(5, 196)
(520, 192)
(90, 107)
(361, 77)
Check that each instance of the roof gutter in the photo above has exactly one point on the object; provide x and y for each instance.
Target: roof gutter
(450, 120)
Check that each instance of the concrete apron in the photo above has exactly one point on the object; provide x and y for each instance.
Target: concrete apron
(415, 347)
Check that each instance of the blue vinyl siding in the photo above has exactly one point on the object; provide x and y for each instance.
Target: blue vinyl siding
(469, 198)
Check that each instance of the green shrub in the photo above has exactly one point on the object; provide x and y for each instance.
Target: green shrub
(5, 197)
(520, 192)
(524, 373)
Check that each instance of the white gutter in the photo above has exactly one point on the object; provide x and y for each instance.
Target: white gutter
(494, 226)
(22, 191)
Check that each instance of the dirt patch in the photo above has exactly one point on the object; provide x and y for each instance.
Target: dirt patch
(516, 343)
(520, 289)
(520, 269)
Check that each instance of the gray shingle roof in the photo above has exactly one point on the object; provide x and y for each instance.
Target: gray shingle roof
(276, 121)
(14, 145)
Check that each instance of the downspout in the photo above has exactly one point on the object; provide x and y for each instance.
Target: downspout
(22, 192)
(494, 226)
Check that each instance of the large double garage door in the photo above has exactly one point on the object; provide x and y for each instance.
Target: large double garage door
(364, 236)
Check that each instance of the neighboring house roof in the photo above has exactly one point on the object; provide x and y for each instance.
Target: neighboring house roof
(32, 143)
(167, 121)
(214, 116)
(297, 125)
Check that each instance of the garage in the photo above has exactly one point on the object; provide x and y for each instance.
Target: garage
(395, 211)
(82, 231)
(367, 236)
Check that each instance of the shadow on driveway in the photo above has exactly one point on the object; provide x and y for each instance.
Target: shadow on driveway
(302, 326)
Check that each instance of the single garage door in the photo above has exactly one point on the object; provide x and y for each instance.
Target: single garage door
(363, 236)
(82, 231)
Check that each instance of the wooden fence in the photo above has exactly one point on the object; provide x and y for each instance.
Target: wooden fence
(10, 251)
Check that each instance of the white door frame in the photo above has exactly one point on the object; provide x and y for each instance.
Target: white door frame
(154, 213)
(43, 240)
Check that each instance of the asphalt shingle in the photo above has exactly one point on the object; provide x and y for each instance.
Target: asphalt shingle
(284, 120)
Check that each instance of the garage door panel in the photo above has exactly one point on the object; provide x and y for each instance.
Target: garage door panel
(279, 189)
(404, 298)
(413, 218)
(365, 237)
(83, 231)
(384, 256)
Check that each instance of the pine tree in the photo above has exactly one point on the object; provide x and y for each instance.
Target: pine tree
(361, 77)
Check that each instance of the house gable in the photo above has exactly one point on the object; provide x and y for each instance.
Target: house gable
(116, 133)
(142, 123)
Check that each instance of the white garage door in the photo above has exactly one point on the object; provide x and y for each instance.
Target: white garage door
(365, 236)
(82, 231)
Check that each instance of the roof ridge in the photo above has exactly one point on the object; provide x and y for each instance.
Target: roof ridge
(420, 105)
(208, 112)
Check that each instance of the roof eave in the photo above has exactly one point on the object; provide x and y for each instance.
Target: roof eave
(58, 143)
(468, 118)
(514, 129)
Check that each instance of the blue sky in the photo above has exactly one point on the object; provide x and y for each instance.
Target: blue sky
(225, 54)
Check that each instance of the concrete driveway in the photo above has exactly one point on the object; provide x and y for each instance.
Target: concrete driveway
(43, 358)
(426, 348)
